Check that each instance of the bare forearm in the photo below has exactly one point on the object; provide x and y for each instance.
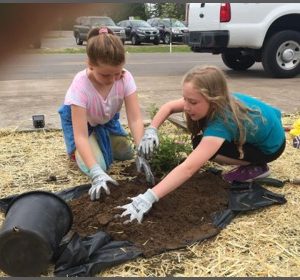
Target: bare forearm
(165, 111)
(160, 116)
(134, 117)
(137, 130)
(81, 136)
(85, 151)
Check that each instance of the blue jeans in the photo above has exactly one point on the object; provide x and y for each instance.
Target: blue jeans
(102, 133)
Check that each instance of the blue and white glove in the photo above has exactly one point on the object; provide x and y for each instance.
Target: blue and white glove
(139, 206)
(99, 182)
(142, 165)
(149, 141)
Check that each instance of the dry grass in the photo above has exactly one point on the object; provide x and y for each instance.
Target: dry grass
(261, 243)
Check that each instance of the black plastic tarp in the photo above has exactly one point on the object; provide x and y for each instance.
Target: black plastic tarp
(87, 256)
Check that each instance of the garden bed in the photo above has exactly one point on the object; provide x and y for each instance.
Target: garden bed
(262, 243)
(179, 219)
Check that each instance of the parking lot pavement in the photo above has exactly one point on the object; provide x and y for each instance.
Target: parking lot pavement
(23, 98)
(20, 99)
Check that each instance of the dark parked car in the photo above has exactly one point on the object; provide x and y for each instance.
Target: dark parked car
(168, 26)
(138, 31)
(84, 24)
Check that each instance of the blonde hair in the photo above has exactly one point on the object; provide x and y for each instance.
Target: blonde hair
(211, 83)
(105, 47)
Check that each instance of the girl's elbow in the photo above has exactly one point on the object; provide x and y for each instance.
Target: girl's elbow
(167, 108)
(189, 169)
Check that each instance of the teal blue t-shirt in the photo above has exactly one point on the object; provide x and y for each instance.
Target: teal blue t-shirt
(267, 133)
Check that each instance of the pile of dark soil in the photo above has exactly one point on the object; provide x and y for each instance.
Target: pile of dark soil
(177, 220)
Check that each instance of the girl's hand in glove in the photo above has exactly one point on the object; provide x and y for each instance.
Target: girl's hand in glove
(139, 206)
(99, 182)
(149, 141)
(142, 165)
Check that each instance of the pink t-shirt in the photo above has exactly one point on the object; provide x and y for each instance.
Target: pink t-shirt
(99, 111)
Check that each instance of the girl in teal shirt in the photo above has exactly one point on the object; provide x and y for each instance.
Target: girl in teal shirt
(233, 129)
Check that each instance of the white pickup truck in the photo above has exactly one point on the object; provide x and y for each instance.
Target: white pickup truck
(245, 33)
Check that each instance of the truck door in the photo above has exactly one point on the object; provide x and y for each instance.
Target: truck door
(204, 16)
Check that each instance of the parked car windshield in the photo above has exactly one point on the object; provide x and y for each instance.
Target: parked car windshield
(140, 23)
(102, 21)
(175, 23)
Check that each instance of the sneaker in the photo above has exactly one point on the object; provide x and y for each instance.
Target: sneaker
(296, 142)
(247, 173)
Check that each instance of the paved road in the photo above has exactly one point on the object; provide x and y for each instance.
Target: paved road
(36, 84)
(64, 66)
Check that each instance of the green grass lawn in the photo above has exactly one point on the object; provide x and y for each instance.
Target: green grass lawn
(129, 48)
(158, 48)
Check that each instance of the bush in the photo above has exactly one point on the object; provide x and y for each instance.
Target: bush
(170, 153)
(173, 148)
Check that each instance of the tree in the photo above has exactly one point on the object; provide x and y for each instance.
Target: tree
(138, 10)
(121, 11)
(156, 9)
(172, 10)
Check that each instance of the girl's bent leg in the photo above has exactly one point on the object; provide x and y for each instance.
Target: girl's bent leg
(223, 160)
(121, 147)
(97, 154)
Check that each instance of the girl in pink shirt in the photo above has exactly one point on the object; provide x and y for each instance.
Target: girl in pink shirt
(90, 113)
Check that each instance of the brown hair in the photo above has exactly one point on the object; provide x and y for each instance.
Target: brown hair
(211, 83)
(105, 47)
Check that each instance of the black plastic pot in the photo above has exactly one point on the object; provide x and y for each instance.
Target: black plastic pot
(34, 225)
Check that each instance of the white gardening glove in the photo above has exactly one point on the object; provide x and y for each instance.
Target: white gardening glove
(142, 165)
(99, 182)
(139, 206)
(149, 141)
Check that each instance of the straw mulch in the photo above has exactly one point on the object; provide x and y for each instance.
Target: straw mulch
(260, 243)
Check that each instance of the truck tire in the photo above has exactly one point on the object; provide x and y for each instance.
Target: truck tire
(281, 54)
(238, 61)
(79, 42)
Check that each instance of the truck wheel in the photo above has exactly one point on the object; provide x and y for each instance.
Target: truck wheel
(79, 42)
(236, 60)
(281, 54)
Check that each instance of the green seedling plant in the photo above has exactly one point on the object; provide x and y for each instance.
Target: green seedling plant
(174, 146)
(171, 152)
